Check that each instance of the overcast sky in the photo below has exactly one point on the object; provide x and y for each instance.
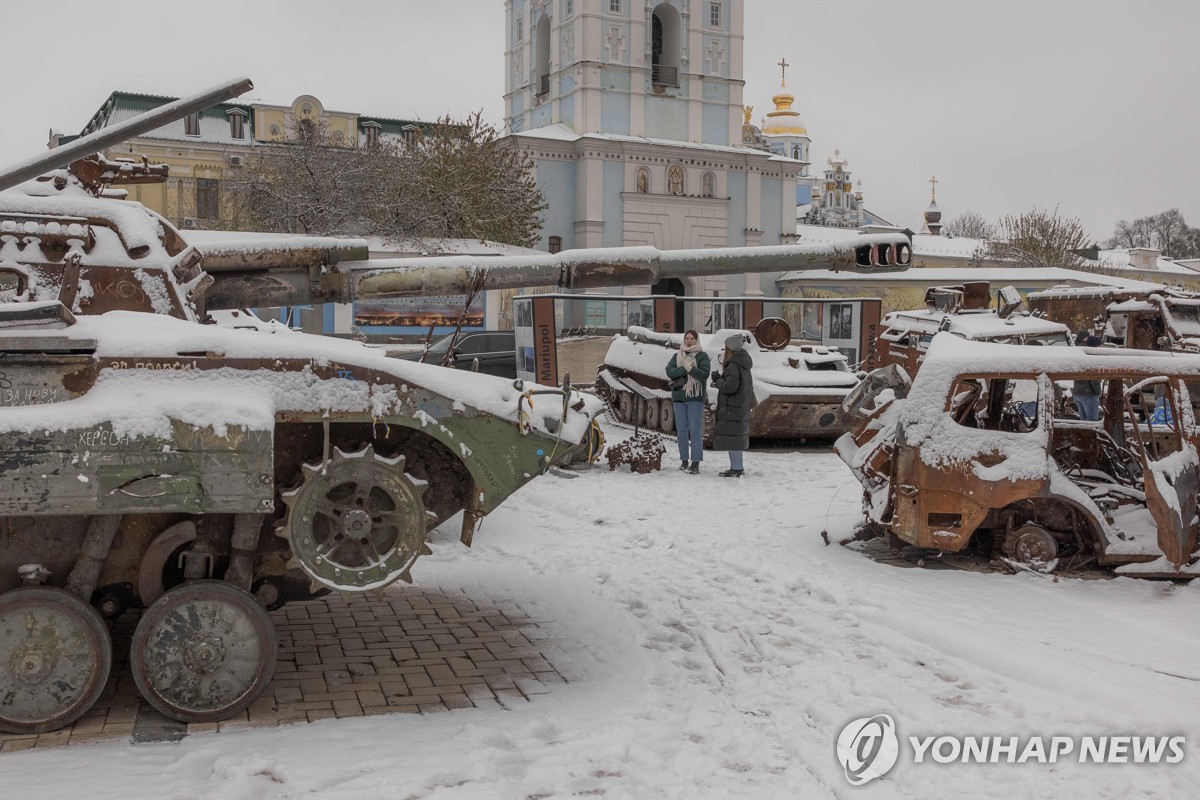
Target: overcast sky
(1087, 105)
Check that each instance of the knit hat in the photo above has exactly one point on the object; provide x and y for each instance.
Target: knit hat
(1093, 341)
(735, 342)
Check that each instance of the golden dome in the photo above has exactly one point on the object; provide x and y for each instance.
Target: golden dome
(783, 120)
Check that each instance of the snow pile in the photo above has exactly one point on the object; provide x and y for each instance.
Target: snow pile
(717, 653)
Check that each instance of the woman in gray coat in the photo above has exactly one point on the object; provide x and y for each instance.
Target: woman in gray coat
(735, 396)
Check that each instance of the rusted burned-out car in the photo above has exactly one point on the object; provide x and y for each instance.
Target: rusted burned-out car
(1163, 319)
(977, 451)
(963, 310)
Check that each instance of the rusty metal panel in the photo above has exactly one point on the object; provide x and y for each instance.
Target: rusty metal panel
(98, 471)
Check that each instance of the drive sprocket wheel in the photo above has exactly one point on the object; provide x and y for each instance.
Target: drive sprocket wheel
(357, 522)
(203, 651)
(55, 656)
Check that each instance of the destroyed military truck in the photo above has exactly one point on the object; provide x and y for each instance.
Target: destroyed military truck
(1159, 319)
(206, 473)
(964, 310)
(976, 452)
(799, 388)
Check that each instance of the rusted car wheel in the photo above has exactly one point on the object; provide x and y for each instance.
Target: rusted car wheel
(1031, 544)
(203, 651)
(55, 656)
(357, 522)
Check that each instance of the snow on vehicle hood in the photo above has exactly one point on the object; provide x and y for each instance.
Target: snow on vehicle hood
(123, 339)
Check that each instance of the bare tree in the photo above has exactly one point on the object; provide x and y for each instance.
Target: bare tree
(1168, 227)
(970, 225)
(1166, 231)
(1041, 238)
(458, 180)
(1132, 234)
(455, 180)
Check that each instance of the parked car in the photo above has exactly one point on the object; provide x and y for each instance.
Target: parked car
(496, 351)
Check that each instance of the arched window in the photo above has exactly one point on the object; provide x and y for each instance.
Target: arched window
(541, 42)
(675, 179)
(643, 181)
(708, 185)
(665, 45)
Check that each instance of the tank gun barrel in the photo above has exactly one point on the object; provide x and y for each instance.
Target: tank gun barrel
(240, 285)
(107, 137)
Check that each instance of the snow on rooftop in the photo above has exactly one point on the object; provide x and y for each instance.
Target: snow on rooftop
(563, 133)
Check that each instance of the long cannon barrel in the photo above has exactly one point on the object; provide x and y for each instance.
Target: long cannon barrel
(240, 283)
(143, 123)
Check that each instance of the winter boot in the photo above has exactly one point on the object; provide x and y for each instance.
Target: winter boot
(731, 473)
(694, 469)
(683, 466)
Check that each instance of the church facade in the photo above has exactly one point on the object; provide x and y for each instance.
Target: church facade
(632, 113)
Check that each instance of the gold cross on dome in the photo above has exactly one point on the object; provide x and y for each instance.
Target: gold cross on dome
(783, 65)
(933, 182)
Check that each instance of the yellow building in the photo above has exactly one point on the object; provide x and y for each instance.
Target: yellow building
(206, 149)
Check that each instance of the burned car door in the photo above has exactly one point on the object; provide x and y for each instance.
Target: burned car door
(986, 449)
(1164, 427)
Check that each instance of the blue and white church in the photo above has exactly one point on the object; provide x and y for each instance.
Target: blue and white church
(632, 113)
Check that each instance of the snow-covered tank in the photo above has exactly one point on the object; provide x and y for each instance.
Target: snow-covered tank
(799, 388)
(208, 472)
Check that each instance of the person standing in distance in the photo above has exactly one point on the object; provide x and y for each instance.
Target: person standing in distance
(735, 393)
(687, 374)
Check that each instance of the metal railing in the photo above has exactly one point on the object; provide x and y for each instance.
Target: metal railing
(664, 75)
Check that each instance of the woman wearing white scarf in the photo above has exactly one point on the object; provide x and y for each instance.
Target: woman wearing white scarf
(687, 374)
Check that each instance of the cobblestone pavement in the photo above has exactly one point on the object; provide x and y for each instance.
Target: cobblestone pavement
(401, 650)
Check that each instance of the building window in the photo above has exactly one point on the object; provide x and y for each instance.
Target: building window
(520, 29)
(237, 125)
(207, 199)
(708, 185)
(191, 124)
(555, 244)
(714, 14)
(570, 7)
(614, 6)
(666, 31)
(643, 181)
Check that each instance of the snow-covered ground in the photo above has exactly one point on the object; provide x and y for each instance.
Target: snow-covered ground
(715, 648)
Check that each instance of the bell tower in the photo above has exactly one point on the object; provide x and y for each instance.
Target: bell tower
(662, 69)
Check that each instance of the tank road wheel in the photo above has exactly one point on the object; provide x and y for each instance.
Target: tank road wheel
(356, 523)
(650, 413)
(625, 407)
(203, 651)
(55, 655)
(1031, 544)
(666, 416)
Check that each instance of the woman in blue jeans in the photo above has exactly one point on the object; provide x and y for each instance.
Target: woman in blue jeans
(688, 370)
